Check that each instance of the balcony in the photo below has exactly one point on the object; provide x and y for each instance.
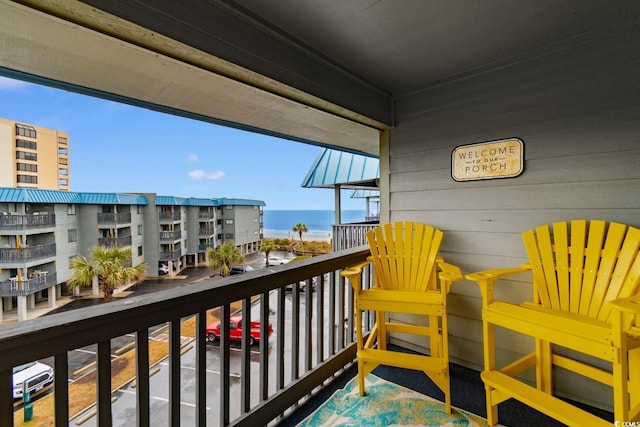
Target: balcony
(27, 254)
(206, 232)
(205, 216)
(112, 242)
(169, 216)
(345, 236)
(170, 256)
(313, 340)
(114, 218)
(25, 222)
(171, 236)
(15, 288)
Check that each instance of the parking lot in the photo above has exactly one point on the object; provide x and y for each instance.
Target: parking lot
(82, 360)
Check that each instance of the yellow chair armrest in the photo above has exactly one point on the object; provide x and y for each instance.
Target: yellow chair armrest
(627, 305)
(492, 275)
(449, 272)
(355, 269)
(486, 279)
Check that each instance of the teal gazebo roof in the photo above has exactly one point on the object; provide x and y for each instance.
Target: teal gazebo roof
(333, 167)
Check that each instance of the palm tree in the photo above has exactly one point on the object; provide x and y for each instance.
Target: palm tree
(109, 265)
(221, 257)
(300, 228)
(267, 246)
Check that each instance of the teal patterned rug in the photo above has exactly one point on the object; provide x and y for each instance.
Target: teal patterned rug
(386, 404)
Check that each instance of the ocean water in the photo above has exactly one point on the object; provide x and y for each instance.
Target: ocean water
(280, 223)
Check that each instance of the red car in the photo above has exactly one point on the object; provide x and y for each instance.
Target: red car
(235, 331)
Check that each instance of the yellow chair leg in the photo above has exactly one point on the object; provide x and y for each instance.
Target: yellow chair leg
(489, 365)
(544, 366)
(634, 380)
(361, 375)
(381, 318)
(620, 387)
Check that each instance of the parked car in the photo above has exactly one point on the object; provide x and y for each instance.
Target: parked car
(276, 260)
(37, 376)
(164, 269)
(239, 269)
(235, 331)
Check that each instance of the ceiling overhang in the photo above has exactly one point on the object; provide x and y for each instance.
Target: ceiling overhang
(79, 47)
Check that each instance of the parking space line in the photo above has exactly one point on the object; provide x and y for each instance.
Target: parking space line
(191, 368)
(163, 399)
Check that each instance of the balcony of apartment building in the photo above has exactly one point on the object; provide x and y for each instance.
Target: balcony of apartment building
(114, 218)
(115, 241)
(18, 256)
(206, 232)
(170, 235)
(169, 216)
(35, 281)
(20, 222)
(205, 244)
(168, 254)
(205, 216)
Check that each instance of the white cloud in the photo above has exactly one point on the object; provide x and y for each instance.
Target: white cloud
(200, 175)
(7, 83)
(192, 158)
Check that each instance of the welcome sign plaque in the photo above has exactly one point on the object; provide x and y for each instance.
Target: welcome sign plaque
(488, 160)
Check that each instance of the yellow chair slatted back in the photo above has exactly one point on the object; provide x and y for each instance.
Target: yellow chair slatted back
(581, 266)
(404, 255)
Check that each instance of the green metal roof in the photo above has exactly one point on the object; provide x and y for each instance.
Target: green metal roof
(333, 167)
(239, 202)
(197, 201)
(362, 194)
(170, 201)
(36, 195)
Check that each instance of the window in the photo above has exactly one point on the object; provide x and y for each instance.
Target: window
(23, 143)
(63, 161)
(228, 236)
(228, 207)
(72, 235)
(23, 155)
(63, 181)
(139, 209)
(62, 151)
(71, 209)
(139, 250)
(228, 221)
(62, 140)
(25, 130)
(27, 179)
(27, 167)
(139, 229)
(63, 171)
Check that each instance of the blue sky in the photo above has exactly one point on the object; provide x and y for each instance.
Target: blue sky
(115, 147)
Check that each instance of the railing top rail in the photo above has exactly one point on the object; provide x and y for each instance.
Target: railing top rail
(62, 332)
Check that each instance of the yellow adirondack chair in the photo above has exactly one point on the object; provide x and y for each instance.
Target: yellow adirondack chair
(585, 298)
(409, 277)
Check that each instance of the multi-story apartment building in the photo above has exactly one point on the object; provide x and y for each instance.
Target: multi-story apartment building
(33, 156)
(42, 230)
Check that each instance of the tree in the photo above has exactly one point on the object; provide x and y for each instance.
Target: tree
(267, 246)
(300, 228)
(221, 257)
(110, 266)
